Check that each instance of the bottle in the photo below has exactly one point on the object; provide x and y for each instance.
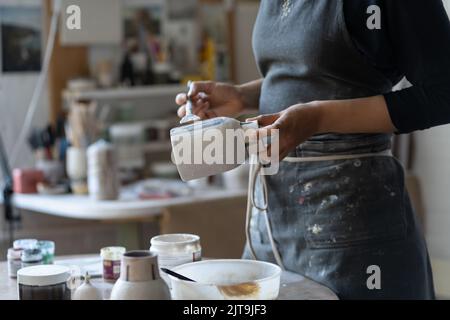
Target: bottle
(103, 179)
(127, 72)
(87, 291)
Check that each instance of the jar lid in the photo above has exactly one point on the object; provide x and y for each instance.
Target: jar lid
(174, 239)
(14, 254)
(43, 275)
(24, 243)
(112, 253)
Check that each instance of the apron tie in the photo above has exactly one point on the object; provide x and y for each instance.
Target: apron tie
(255, 171)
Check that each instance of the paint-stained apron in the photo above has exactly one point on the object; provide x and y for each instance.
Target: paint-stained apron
(332, 221)
(345, 223)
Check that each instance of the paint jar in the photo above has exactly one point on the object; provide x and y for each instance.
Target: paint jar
(174, 250)
(14, 261)
(48, 251)
(111, 258)
(45, 282)
(25, 244)
(31, 257)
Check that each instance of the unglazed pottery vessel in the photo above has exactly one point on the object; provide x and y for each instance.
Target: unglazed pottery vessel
(139, 278)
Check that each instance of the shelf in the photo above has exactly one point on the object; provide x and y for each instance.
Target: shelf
(159, 146)
(125, 93)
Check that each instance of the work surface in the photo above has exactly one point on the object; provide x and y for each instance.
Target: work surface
(82, 207)
(293, 287)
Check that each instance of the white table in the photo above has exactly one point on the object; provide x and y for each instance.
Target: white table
(128, 211)
(82, 207)
(293, 286)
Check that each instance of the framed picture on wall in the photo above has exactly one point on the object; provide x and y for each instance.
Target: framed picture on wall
(20, 36)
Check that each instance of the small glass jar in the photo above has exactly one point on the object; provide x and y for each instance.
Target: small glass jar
(44, 282)
(175, 249)
(14, 261)
(111, 259)
(31, 257)
(48, 251)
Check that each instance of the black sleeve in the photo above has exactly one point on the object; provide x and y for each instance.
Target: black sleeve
(419, 32)
(414, 41)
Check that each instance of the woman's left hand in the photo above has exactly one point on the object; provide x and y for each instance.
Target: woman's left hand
(295, 124)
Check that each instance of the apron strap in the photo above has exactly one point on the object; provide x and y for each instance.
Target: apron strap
(255, 171)
(385, 153)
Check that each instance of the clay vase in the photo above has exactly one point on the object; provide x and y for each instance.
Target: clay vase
(139, 278)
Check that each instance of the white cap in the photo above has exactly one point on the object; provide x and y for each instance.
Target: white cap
(43, 275)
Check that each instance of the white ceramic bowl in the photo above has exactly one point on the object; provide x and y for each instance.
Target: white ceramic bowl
(229, 279)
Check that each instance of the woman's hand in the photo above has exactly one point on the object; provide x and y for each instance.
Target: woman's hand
(212, 99)
(299, 122)
(295, 124)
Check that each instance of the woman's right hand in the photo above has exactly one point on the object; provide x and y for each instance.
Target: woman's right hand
(212, 99)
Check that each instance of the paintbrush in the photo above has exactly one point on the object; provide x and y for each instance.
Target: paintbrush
(190, 116)
(176, 275)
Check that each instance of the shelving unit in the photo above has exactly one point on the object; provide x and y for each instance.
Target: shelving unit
(125, 93)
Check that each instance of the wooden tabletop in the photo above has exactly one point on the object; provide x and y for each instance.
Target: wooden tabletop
(293, 286)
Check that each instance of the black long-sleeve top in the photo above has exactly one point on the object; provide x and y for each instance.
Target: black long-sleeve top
(413, 42)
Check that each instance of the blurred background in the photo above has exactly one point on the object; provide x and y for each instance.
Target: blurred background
(115, 80)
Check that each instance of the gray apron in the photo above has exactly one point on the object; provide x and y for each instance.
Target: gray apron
(333, 220)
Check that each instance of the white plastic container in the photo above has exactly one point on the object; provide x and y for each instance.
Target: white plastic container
(227, 279)
(174, 250)
(192, 146)
(44, 282)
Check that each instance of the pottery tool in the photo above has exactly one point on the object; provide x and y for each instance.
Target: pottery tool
(190, 116)
(176, 275)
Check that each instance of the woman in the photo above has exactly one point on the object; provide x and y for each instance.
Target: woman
(327, 86)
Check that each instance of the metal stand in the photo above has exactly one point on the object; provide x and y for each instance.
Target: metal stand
(10, 216)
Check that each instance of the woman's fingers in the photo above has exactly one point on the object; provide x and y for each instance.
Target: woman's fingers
(181, 112)
(199, 107)
(205, 87)
(180, 99)
(266, 136)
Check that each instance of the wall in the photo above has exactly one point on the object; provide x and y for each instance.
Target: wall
(246, 69)
(15, 95)
(16, 90)
(432, 166)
